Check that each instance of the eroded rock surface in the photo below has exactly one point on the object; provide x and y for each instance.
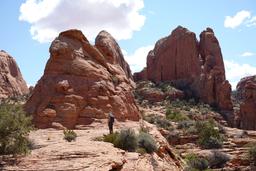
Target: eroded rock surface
(52, 152)
(11, 82)
(247, 90)
(82, 82)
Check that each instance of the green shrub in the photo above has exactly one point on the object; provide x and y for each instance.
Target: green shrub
(110, 137)
(144, 129)
(126, 140)
(252, 154)
(150, 118)
(175, 115)
(177, 103)
(218, 159)
(209, 135)
(185, 124)
(173, 137)
(158, 121)
(189, 127)
(14, 129)
(196, 163)
(147, 142)
(69, 135)
(141, 151)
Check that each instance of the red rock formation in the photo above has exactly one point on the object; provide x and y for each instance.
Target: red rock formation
(139, 76)
(180, 58)
(247, 89)
(212, 86)
(111, 50)
(82, 82)
(240, 88)
(174, 57)
(11, 81)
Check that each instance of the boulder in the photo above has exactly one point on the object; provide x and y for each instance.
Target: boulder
(82, 82)
(11, 82)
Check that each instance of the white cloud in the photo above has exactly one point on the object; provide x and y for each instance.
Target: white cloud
(236, 71)
(251, 22)
(237, 20)
(138, 59)
(49, 17)
(247, 54)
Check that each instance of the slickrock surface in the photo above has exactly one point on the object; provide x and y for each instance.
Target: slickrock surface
(54, 153)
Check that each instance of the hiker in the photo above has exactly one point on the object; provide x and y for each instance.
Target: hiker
(111, 120)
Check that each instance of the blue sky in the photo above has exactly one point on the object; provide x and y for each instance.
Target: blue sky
(28, 27)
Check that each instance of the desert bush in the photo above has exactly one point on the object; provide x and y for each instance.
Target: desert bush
(209, 134)
(14, 129)
(175, 115)
(189, 127)
(141, 151)
(147, 142)
(173, 137)
(150, 118)
(218, 159)
(177, 103)
(144, 129)
(158, 121)
(196, 163)
(252, 154)
(110, 137)
(185, 124)
(126, 140)
(69, 135)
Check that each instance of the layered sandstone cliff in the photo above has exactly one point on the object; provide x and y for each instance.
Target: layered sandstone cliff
(82, 82)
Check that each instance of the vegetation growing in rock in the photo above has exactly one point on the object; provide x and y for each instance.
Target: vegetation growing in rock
(14, 129)
(126, 140)
(218, 159)
(147, 142)
(110, 137)
(252, 154)
(69, 135)
(175, 115)
(196, 163)
(209, 135)
(158, 121)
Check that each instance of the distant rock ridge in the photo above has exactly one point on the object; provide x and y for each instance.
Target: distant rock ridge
(82, 82)
(11, 82)
(191, 64)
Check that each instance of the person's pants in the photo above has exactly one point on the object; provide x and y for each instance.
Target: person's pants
(110, 126)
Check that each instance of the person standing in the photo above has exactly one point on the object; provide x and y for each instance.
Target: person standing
(111, 120)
